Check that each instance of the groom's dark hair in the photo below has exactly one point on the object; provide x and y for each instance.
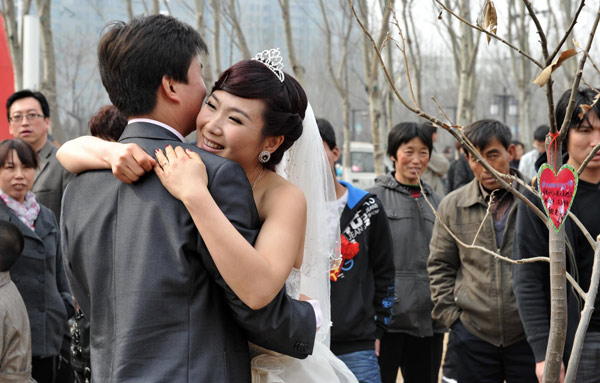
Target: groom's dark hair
(133, 57)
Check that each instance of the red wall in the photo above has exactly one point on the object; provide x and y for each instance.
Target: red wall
(7, 83)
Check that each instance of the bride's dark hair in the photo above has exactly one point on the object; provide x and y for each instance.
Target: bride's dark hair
(285, 101)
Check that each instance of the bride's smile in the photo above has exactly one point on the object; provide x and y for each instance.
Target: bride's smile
(231, 127)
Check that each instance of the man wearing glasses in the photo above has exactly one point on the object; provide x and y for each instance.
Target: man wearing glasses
(29, 119)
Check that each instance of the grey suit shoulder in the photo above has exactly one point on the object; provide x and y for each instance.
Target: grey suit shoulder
(50, 179)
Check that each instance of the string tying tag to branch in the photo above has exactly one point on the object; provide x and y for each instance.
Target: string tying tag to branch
(555, 141)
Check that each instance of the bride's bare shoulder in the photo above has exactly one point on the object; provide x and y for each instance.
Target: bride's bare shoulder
(280, 193)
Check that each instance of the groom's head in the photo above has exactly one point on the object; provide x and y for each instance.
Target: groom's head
(149, 55)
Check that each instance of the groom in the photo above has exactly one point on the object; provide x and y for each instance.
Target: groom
(159, 310)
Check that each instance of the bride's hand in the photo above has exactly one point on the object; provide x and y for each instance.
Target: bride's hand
(180, 171)
(129, 162)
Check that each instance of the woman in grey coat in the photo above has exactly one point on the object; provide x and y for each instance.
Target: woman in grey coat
(38, 273)
(413, 342)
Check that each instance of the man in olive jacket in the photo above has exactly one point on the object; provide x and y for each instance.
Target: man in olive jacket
(471, 289)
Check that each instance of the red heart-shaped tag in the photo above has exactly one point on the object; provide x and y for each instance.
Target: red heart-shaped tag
(557, 192)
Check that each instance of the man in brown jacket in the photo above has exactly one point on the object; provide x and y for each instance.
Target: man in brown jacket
(471, 289)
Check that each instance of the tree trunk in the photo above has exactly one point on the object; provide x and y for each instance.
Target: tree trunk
(389, 97)
(558, 307)
(375, 118)
(414, 49)
(340, 78)
(521, 66)
(558, 282)
(207, 72)
(155, 7)
(216, 51)
(289, 39)
(346, 160)
(235, 23)
(466, 81)
(129, 9)
(14, 44)
(371, 64)
(524, 96)
(48, 86)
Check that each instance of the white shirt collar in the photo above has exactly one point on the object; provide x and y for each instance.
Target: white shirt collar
(163, 125)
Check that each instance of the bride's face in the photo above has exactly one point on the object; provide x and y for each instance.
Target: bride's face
(231, 127)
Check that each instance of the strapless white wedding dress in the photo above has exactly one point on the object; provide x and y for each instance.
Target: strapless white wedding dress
(322, 366)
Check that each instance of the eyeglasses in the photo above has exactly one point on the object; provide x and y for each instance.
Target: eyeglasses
(19, 117)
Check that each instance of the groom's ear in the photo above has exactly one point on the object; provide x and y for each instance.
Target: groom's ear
(272, 143)
(168, 87)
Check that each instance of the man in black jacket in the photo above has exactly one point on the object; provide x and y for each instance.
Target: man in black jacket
(362, 286)
(531, 281)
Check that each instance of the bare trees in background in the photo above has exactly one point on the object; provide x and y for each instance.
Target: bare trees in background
(464, 43)
(369, 15)
(339, 75)
(48, 84)
(518, 31)
(231, 15)
(11, 26)
(207, 72)
(414, 56)
(222, 25)
(289, 40)
(81, 90)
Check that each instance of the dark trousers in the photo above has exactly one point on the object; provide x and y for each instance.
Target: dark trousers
(478, 361)
(43, 370)
(449, 366)
(418, 358)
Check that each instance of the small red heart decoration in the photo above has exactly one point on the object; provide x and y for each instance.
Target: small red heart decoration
(557, 192)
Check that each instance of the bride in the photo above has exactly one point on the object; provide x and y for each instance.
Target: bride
(258, 116)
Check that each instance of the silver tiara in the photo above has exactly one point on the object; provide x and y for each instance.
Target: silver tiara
(273, 60)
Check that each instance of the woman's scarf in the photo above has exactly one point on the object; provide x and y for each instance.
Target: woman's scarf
(27, 211)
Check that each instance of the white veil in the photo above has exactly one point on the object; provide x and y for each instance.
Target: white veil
(305, 165)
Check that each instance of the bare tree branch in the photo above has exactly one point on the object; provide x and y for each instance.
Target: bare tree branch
(237, 28)
(566, 35)
(402, 47)
(289, 39)
(480, 29)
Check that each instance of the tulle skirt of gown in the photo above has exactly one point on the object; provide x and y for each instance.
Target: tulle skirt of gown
(320, 367)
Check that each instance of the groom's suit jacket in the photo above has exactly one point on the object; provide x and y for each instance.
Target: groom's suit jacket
(159, 310)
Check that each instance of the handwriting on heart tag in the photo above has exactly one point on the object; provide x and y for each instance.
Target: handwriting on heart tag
(557, 191)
